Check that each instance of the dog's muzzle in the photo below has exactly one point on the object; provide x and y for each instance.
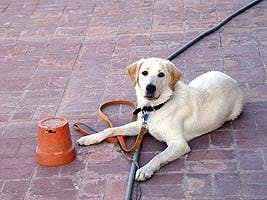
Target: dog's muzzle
(150, 91)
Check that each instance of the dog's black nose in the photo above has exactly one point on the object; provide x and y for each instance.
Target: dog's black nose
(150, 88)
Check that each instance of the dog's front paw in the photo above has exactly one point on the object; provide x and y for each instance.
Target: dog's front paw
(88, 140)
(143, 173)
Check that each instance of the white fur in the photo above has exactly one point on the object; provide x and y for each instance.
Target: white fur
(191, 110)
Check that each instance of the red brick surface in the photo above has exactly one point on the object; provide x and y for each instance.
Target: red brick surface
(63, 58)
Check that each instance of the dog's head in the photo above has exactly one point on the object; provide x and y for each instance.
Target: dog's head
(154, 78)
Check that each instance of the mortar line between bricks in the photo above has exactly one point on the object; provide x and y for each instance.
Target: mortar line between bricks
(213, 183)
(7, 6)
(26, 88)
(28, 22)
(51, 37)
(220, 38)
(264, 161)
(68, 80)
(152, 18)
(65, 6)
(255, 121)
(30, 181)
(152, 22)
(184, 33)
(1, 189)
(85, 170)
(234, 132)
(109, 69)
(185, 177)
(261, 55)
(215, 171)
(210, 146)
(241, 185)
(110, 64)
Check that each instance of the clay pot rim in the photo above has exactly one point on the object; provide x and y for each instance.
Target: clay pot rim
(64, 122)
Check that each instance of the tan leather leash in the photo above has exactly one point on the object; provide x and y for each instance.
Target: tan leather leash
(117, 139)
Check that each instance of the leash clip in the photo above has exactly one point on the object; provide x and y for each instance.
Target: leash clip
(144, 119)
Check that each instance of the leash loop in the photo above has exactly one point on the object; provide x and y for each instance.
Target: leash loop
(118, 139)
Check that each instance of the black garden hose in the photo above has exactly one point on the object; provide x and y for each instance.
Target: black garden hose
(128, 195)
(212, 30)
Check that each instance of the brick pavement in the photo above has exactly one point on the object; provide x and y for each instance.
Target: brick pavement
(63, 58)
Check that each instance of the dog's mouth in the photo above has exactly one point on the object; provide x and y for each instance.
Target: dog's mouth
(151, 97)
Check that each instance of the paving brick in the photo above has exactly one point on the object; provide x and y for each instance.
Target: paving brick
(211, 155)
(238, 39)
(166, 191)
(174, 166)
(16, 168)
(222, 139)
(50, 79)
(76, 167)
(44, 172)
(199, 185)
(14, 84)
(265, 157)
(93, 188)
(35, 100)
(115, 189)
(258, 92)
(1, 185)
(150, 144)
(155, 198)
(4, 118)
(250, 160)
(259, 177)
(165, 179)
(22, 115)
(211, 166)
(14, 189)
(55, 187)
(111, 168)
(27, 147)
(227, 184)
(261, 119)
(162, 21)
(202, 54)
(255, 190)
(1, 130)
(21, 130)
(44, 111)
(207, 16)
(245, 121)
(255, 106)
(9, 147)
(251, 138)
(200, 142)
(106, 156)
(229, 198)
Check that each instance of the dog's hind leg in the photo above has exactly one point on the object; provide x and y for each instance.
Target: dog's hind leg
(130, 129)
(238, 107)
(175, 149)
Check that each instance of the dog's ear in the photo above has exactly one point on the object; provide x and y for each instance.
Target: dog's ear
(175, 75)
(133, 70)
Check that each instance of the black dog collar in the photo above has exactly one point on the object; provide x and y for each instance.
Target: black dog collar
(149, 108)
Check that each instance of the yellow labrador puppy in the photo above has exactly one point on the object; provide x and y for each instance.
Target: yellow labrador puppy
(176, 112)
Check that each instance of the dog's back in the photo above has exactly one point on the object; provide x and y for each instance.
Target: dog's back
(219, 99)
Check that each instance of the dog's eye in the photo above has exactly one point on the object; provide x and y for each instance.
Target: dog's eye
(145, 73)
(161, 74)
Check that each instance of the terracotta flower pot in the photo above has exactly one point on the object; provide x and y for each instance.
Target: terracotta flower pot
(54, 142)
